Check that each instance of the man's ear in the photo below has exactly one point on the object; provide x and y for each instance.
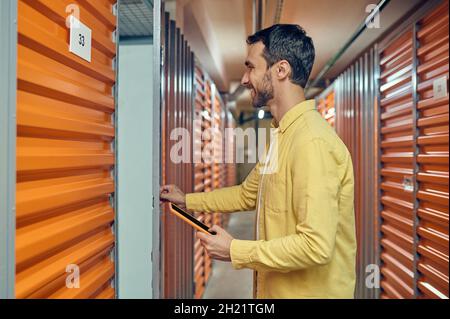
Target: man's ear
(283, 69)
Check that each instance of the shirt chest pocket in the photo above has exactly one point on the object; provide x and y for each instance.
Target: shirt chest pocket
(275, 193)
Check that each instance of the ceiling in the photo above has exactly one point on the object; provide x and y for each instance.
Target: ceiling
(136, 18)
(217, 30)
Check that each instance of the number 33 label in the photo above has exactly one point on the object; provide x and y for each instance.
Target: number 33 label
(80, 39)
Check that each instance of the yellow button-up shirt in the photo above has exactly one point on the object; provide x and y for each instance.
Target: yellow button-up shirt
(307, 245)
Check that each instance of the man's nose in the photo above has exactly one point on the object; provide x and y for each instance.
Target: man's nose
(245, 81)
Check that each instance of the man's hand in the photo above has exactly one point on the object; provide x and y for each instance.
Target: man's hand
(171, 193)
(217, 246)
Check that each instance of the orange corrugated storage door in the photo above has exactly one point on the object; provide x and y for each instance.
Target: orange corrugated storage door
(217, 147)
(208, 165)
(65, 155)
(199, 180)
(397, 160)
(432, 195)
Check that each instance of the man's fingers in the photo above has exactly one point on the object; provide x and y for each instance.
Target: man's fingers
(166, 196)
(166, 188)
(216, 229)
(165, 192)
(203, 237)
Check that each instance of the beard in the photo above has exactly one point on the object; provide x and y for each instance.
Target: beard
(264, 93)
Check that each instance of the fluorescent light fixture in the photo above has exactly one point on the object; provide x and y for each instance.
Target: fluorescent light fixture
(261, 114)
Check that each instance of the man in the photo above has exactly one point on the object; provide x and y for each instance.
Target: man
(305, 245)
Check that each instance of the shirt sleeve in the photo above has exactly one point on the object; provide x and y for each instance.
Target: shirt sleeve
(229, 199)
(314, 173)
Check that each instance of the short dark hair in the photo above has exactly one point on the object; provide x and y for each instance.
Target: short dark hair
(287, 42)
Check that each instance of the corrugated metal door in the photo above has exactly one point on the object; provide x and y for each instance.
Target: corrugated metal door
(177, 114)
(432, 195)
(217, 147)
(209, 168)
(414, 174)
(65, 155)
(353, 95)
(208, 162)
(229, 157)
(199, 178)
(397, 161)
(397, 133)
(230, 146)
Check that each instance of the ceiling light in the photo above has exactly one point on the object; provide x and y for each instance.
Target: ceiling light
(261, 114)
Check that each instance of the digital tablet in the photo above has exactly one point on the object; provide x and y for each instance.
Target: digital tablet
(191, 220)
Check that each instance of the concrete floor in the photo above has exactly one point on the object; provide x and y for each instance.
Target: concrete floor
(226, 282)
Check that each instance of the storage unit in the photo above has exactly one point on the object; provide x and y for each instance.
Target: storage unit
(230, 155)
(432, 153)
(392, 113)
(397, 117)
(208, 159)
(418, 268)
(65, 225)
(193, 121)
(176, 124)
(209, 163)
(202, 120)
(58, 208)
(65, 152)
(217, 166)
(138, 154)
(355, 98)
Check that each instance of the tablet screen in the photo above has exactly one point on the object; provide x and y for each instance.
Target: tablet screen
(193, 221)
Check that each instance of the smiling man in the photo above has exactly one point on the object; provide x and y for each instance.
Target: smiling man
(305, 245)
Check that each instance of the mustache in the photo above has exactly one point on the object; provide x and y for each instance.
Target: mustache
(249, 87)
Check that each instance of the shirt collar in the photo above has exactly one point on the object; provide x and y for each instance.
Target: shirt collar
(293, 114)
